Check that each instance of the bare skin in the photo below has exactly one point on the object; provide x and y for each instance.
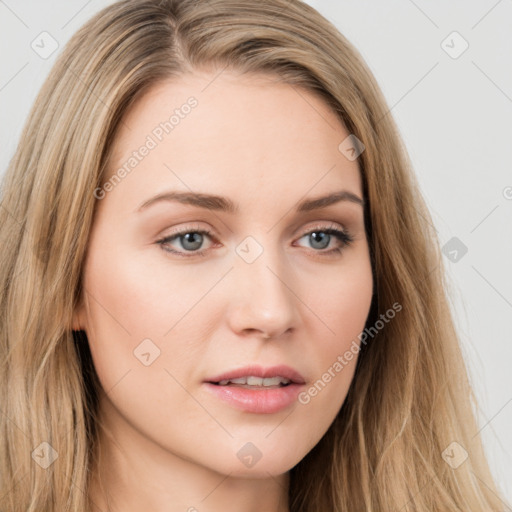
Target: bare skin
(175, 446)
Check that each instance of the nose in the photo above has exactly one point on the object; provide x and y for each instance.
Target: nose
(262, 300)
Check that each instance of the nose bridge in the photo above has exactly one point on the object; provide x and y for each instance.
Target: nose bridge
(263, 299)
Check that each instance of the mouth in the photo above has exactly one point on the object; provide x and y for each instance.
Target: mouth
(255, 376)
(256, 389)
(253, 382)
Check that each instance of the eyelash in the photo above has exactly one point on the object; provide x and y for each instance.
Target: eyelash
(343, 236)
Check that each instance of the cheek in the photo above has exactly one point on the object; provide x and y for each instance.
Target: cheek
(136, 295)
(343, 307)
(130, 308)
(142, 319)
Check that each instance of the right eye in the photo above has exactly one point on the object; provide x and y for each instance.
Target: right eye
(188, 243)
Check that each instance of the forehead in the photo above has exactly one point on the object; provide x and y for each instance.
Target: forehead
(244, 131)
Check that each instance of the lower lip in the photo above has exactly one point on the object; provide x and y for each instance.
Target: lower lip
(258, 400)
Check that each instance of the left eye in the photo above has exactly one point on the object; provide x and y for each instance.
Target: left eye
(192, 240)
(321, 238)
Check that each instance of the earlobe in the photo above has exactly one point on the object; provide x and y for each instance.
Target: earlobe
(78, 320)
(76, 325)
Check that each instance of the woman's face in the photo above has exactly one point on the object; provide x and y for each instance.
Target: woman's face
(169, 316)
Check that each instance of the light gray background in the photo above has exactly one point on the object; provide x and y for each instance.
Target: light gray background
(454, 115)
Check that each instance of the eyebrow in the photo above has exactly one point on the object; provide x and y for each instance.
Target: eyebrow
(223, 204)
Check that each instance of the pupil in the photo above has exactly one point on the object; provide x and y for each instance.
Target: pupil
(189, 238)
(320, 235)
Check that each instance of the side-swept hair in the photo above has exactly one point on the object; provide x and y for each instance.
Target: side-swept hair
(410, 397)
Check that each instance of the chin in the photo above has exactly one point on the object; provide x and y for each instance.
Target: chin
(261, 470)
(267, 460)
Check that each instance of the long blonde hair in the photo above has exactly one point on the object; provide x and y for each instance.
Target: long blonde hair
(410, 399)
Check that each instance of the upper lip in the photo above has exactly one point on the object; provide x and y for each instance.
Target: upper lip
(259, 371)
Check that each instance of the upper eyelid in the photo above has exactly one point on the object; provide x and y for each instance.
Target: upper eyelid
(210, 233)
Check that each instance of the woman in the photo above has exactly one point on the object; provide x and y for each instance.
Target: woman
(168, 342)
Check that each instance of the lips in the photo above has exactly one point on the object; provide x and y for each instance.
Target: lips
(254, 389)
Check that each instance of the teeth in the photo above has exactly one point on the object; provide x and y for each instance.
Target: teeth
(256, 381)
(241, 380)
